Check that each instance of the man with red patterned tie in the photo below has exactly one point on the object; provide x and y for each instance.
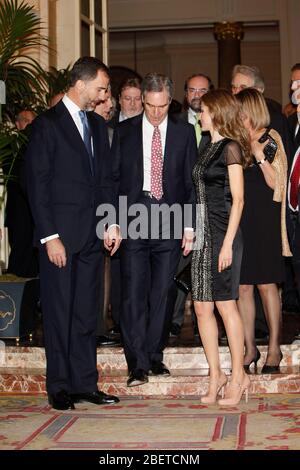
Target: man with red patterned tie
(153, 155)
(293, 221)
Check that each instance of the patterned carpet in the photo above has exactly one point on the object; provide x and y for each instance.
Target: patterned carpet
(266, 422)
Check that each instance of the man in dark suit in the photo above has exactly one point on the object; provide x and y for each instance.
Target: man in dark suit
(244, 76)
(153, 155)
(68, 176)
(130, 101)
(293, 193)
(195, 87)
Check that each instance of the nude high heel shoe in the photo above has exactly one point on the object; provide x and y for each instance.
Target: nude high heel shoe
(219, 388)
(235, 392)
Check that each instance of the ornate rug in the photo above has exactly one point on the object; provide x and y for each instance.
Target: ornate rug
(266, 422)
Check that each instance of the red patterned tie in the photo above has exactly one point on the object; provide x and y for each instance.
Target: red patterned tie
(294, 180)
(156, 164)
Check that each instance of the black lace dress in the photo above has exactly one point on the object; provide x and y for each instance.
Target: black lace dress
(210, 176)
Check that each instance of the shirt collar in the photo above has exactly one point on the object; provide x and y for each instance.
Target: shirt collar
(72, 107)
(162, 126)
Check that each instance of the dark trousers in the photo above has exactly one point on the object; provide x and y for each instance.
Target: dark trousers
(70, 301)
(294, 239)
(147, 269)
(115, 288)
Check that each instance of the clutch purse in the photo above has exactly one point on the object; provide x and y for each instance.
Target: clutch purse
(183, 279)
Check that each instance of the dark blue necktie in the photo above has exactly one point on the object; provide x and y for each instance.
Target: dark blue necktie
(87, 138)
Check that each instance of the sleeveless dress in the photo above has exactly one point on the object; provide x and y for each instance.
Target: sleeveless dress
(211, 180)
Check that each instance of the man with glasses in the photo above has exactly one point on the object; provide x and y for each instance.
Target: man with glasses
(195, 87)
(130, 101)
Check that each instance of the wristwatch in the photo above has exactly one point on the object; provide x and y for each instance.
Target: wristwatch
(262, 161)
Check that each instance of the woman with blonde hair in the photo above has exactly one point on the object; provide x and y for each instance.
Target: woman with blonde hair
(216, 259)
(264, 229)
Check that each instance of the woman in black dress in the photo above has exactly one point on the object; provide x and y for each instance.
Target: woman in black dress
(263, 227)
(216, 259)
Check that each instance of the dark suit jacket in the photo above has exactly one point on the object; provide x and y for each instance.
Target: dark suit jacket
(63, 194)
(278, 121)
(179, 159)
(295, 140)
(295, 144)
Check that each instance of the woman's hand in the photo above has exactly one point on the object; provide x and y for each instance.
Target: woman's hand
(258, 149)
(225, 257)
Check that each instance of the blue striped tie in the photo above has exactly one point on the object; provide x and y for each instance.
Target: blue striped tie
(87, 138)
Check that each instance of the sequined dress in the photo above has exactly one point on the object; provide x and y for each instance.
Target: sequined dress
(210, 176)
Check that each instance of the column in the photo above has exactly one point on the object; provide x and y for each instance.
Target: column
(229, 36)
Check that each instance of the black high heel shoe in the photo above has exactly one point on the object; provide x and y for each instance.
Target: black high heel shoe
(253, 361)
(272, 368)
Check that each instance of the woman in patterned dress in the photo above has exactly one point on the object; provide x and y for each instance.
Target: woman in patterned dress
(216, 261)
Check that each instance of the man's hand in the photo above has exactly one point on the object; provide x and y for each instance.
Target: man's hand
(187, 242)
(112, 239)
(56, 252)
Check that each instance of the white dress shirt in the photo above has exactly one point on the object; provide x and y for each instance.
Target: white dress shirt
(192, 116)
(148, 130)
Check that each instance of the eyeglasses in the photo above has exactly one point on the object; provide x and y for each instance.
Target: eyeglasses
(135, 99)
(201, 91)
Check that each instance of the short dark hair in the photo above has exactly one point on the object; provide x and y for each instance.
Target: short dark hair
(86, 68)
(202, 75)
(157, 82)
(295, 67)
(130, 83)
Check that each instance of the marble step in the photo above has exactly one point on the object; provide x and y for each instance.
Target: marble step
(111, 359)
(187, 382)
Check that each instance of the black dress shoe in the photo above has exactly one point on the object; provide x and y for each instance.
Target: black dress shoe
(97, 397)
(104, 340)
(175, 330)
(114, 332)
(137, 377)
(61, 401)
(158, 368)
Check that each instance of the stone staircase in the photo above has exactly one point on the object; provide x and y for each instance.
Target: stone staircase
(22, 370)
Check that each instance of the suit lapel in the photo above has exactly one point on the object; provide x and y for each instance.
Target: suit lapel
(72, 135)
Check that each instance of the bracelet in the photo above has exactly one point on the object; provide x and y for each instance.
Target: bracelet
(262, 161)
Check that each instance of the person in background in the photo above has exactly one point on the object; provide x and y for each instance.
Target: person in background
(23, 256)
(195, 87)
(130, 101)
(263, 226)
(111, 276)
(293, 220)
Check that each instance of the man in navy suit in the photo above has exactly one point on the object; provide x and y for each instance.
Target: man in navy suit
(153, 156)
(68, 176)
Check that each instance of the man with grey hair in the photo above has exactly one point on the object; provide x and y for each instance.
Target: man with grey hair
(244, 76)
(153, 156)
